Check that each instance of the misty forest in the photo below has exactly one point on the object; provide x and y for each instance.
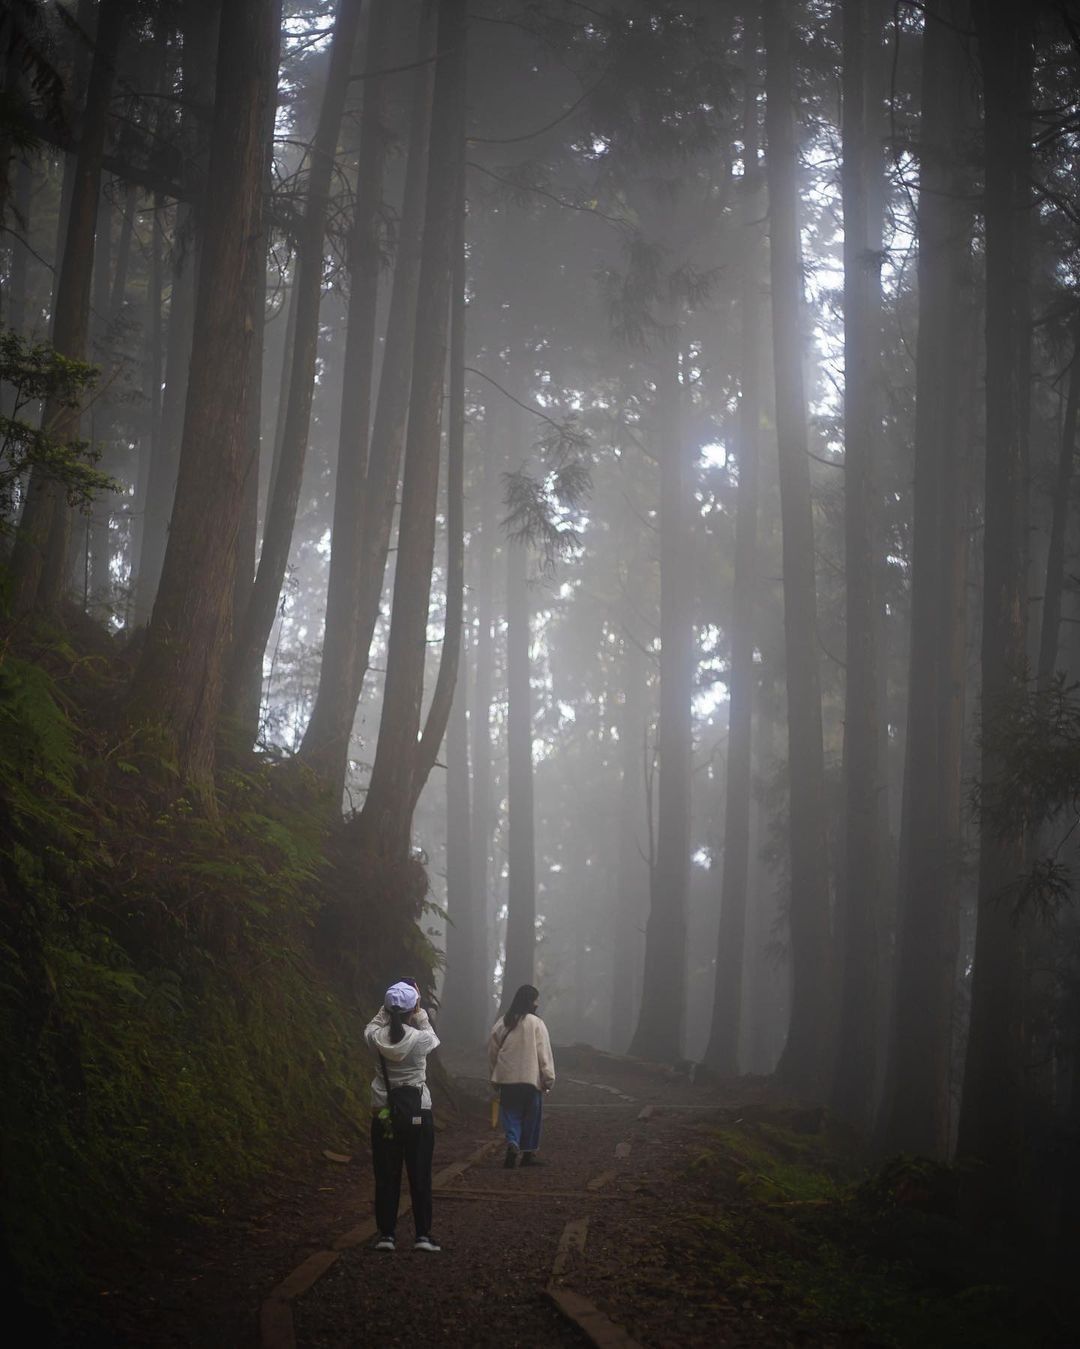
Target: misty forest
(509, 492)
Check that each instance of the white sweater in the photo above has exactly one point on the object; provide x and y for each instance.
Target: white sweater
(523, 1054)
(406, 1061)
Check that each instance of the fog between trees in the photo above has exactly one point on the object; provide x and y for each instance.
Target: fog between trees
(623, 452)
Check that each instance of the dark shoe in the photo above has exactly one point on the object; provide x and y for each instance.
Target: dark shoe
(531, 1159)
(385, 1243)
(427, 1243)
(510, 1160)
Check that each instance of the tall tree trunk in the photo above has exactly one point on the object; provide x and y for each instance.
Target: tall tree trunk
(463, 933)
(8, 160)
(399, 768)
(282, 411)
(855, 1070)
(483, 812)
(915, 1109)
(253, 626)
(445, 681)
(118, 294)
(804, 1062)
(20, 253)
(40, 557)
(249, 695)
(110, 309)
(178, 683)
(518, 968)
(199, 30)
(659, 1029)
(767, 1002)
(340, 656)
(951, 789)
(631, 889)
(152, 439)
(879, 130)
(1055, 558)
(993, 1081)
(722, 1052)
(326, 740)
(90, 569)
(462, 953)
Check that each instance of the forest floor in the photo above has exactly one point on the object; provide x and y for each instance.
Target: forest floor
(668, 1212)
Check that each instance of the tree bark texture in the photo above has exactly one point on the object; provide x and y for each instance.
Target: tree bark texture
(661, 1018)
(722, 1053)
(387, 815)
(39, 562)
(857, 1038)
(178, 684)
(993, 1081)
(804, 1062)
(326, 740)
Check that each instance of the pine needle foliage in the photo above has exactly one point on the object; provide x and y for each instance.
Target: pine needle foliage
(35, 373)
(1034, 736)
(544, 502)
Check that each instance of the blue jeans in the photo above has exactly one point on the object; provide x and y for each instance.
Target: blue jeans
(521, 1112)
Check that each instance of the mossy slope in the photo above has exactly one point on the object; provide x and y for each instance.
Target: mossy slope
(181, 995)
(787, 1226)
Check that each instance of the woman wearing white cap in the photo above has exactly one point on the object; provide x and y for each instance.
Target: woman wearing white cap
(402, 1126)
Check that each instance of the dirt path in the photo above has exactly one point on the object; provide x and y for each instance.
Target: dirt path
(570, 1253)
(581, 1250)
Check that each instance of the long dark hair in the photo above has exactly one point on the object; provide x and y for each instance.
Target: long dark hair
(523, 1003)
(397, 1016)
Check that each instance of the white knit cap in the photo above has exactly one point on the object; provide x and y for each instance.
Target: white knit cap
(402, 997)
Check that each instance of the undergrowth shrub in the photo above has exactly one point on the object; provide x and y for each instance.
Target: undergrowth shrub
(788, 1224)
(170, 1014)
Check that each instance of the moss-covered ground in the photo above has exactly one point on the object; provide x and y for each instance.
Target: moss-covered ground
(786, 1224)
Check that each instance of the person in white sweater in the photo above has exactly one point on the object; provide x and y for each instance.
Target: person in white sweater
(522, 1067)
(402, 1125)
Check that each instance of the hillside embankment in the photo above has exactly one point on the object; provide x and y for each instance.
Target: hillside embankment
(182, 988)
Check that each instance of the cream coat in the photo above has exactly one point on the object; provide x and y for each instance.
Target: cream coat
(523, 1054)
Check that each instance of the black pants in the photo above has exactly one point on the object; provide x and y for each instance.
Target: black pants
(387, 1155)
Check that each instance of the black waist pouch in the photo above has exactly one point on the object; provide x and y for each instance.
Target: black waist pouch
(404, 1105)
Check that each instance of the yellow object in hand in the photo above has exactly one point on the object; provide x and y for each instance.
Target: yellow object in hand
(494, 1112)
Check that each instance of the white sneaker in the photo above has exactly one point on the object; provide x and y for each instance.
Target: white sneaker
(426, 1244)
(385, 1243)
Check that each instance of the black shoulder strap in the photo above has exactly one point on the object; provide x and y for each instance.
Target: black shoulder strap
(385, 1075)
